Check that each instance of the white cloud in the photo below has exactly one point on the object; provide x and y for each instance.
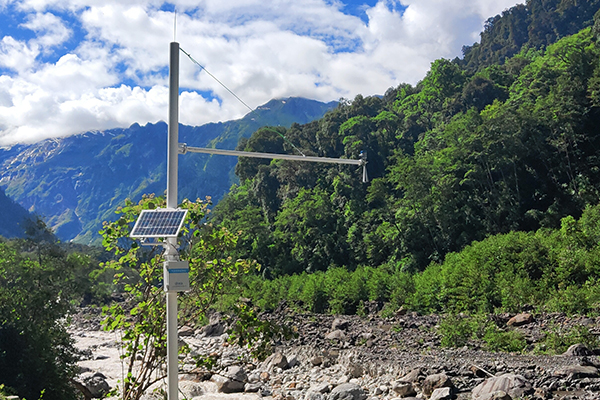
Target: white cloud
(304, 48)
(49, 28)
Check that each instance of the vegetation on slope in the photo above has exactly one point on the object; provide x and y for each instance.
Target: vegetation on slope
(455, 159)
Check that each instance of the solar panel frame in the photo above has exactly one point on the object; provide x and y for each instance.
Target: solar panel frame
(159, 223)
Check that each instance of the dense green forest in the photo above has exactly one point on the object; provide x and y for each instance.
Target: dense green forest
(463, 156)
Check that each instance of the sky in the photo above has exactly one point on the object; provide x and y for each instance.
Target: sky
(71, 66)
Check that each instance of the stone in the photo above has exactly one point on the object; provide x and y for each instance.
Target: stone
(520, 319)
(265, 376)
(336, 335)
(314, 396)
(404, 389)
(578, 350)
(190, 389)
(514, 385)
(186, 331)
(436, 381)
(444, 393)
(316, 361)
(96, 385)
(354, 371)
(578, 371)
(499, 395)
(227, 385)
(279, 360)
(321, 388)
(339, 323)
(213, 329)
(347, 391)
(412, 376)
(252, 387)
(232, 380)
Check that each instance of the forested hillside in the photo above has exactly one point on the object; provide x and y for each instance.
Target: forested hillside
(460, 157)
(534, 25)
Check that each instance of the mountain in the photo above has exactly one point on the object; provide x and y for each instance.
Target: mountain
(75, 183)
(12, 217)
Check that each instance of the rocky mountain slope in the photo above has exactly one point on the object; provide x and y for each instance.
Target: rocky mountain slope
(12, 217)
(75, 183)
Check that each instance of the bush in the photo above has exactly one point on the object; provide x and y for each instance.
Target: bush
(558, 340)
(455, 331)
(499, 340)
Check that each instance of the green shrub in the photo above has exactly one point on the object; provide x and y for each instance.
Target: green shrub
(455, 331)
(499, 340)
(558, 340)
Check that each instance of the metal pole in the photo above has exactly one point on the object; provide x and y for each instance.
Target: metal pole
(183, 148)
(171, 253)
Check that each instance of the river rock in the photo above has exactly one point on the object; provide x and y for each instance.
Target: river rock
(520, 319)
(578, 371)
(404, 389)
(232, 380)
(412, 376)
(436, 381)
(95, 384)
(338, 334)
(444, 393)
(347, 391)
(512, 384)
(339, 323)
(278, 360)
(578, 350)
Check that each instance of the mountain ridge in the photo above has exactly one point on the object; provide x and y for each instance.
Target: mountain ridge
(76, 182)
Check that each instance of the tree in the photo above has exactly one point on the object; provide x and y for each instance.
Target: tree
(140, 271)
(37, 356)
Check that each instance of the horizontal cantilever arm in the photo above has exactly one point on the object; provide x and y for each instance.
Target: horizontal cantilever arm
(183, 148)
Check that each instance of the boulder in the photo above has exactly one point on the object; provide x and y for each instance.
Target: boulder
(186, 331)
(412, 376)
(404, 389)
(578, 371)
(278, 360)
(316, 361)
(190, 389)
(321, 388)
(213, 329)
(354, 370)
(512, 384)
(347, 391)
(436, 381)
(96, 385)
(520, 319)
(339, 323)
(578, 350)
(336, 335)
(232, 380)
(444, 393)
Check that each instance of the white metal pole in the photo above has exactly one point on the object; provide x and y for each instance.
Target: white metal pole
(171, 253)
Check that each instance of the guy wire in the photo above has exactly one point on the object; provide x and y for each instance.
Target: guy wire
(240, 100)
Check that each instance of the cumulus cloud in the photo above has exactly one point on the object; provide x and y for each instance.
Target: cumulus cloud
(109, 59)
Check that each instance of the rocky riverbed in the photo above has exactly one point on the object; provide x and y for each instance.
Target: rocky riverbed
(360, 358)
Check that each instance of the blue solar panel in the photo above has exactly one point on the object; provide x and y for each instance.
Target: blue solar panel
(159, 223)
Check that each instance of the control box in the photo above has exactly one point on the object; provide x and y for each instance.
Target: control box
(176, 276)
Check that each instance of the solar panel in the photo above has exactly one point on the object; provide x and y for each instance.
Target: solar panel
(158, 223)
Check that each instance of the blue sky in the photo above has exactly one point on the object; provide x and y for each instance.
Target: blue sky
(70, 66)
